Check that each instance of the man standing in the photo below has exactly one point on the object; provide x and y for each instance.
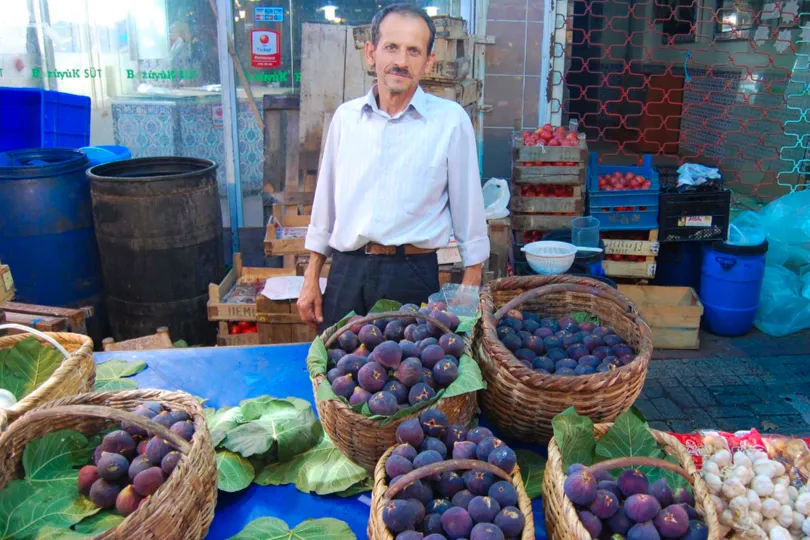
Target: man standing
(399, 173)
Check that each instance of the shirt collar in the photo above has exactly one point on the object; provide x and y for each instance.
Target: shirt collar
(418, 101)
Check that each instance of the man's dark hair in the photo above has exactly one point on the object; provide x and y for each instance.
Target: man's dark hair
(402, 9)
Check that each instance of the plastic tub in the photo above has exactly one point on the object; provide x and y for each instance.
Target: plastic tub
(731, 280)
(105, 153)
(36, 118)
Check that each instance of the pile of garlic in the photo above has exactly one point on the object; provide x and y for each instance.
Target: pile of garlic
(754, 497)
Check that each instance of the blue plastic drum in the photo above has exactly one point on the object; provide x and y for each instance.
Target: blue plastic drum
(731, 280)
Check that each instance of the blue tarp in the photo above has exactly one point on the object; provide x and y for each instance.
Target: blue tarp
(228, 375)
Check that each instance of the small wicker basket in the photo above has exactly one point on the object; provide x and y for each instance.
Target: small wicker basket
(75, 375)
(182, 508)
(381, 494)
(522, 402)
(362, 439)
(562, 521)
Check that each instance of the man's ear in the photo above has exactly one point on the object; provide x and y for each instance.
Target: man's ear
(430, 62)
(370, 50)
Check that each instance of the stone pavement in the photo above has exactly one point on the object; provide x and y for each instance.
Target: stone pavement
(756, 381)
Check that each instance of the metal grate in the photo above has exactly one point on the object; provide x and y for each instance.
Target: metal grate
(683, 84)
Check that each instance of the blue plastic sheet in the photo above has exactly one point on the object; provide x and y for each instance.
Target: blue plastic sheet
(228, 375)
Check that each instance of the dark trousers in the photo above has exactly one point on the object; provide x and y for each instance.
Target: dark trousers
(357, 281)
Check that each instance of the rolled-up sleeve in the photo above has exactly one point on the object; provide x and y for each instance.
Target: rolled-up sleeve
(466, 196)
(323, 205)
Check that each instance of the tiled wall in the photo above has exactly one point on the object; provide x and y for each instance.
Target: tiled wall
(512, 84)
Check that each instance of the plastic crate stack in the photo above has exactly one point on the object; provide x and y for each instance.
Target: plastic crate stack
(628, 218)
(692, 216)
(548, 191)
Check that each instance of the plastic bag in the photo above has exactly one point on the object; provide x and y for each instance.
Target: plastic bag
(496, 198)
(692, 174)
(784, 301)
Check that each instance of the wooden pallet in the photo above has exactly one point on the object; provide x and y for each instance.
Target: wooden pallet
(673, 314)
(618, 246)
(464, 93)
(219, 310)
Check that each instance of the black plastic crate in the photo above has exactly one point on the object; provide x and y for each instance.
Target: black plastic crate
(694, 216)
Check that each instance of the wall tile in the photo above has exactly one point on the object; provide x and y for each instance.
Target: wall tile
(536, 11)
(531, 102)
(534, 49)
(507, 54)
(510, 10)
(505, 94)
(497, 163)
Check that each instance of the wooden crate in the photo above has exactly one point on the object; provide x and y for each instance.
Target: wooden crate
(38, 322)
(464, 93)
(274, 246)
(301, 262)
(541, 222)
(226, 339)
(626, 269)
(618, 246)
(544, 154)
(550, 174)
(279, 322)
(219, 310)
(548, 205)
(7, 289)
(673, 314)
(75, 319)
(159, 340)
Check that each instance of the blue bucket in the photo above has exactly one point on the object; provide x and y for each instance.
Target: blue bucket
(105, 153)
(731, 280)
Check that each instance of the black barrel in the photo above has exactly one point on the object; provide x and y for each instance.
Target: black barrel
(159, 229)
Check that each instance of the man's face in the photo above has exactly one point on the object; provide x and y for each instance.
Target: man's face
(401, 57)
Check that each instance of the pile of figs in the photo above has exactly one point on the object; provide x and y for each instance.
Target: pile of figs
(130, 465)
(472, 504)
(630, 507)
(563, 346)
(396, 363)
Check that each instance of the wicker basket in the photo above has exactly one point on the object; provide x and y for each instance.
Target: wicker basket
(182, 508)
(562, 521)
(522, 402)
(362, 439)
(382, 494)
(75, 375)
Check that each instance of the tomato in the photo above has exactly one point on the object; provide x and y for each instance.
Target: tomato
(235, 329)
(252, 330)
(646, 184)
(546, 136)
(554, 142)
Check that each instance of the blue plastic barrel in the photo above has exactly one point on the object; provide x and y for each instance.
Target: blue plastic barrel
(679, 264)
(46, 227)
(731, 279)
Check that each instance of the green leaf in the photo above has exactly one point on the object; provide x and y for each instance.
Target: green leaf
(342, 322)
(222, 421)
(383, 306)
(322, 469)
(410, 410)
(54, 456)
(466, 324)
(234, 473)
(97, 524)
(253, 409)
(363, 486)
(29, 363)
(25, 508)
(49, 532)
(111, 375)
(180, 344)
(294, 430)
(317, 358)
(469, 378)
(532, 467)
(325, 393)
(270, 528)
(10, 379)
(582, 316)
(574, 436)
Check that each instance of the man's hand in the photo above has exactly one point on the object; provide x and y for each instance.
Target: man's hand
(310, 301)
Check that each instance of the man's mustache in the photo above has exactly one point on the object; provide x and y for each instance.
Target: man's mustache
(399, 71)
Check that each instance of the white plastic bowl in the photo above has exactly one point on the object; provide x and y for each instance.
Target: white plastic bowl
(549, 257)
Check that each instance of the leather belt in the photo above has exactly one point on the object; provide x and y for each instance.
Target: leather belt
(373, 248)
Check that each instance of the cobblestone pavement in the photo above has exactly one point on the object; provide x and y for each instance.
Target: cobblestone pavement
(770, 393)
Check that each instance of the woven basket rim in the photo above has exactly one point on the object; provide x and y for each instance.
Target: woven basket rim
(82, 345)
(189, 469)
(378, 531)
(554, 478)
(486, 336)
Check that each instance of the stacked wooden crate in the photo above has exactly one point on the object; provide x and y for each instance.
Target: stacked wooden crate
(6, 283)
(233, 302)
(450, 77)
(630, 254)
(673, 314)
(548, 191)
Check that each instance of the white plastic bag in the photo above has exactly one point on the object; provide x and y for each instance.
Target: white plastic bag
(496, 198)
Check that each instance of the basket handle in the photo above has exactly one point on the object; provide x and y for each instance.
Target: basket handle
(640, 461)
(387, 315)
(440, 467)
(37, 333)
(99, 411)
(563, 287)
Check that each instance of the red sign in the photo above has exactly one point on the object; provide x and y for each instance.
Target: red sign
(265, 49)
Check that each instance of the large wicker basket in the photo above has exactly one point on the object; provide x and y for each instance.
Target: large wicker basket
(381, 494)
(522, 402)
(362, 439)
(182, 508)
(562, 521)
(75, 375)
